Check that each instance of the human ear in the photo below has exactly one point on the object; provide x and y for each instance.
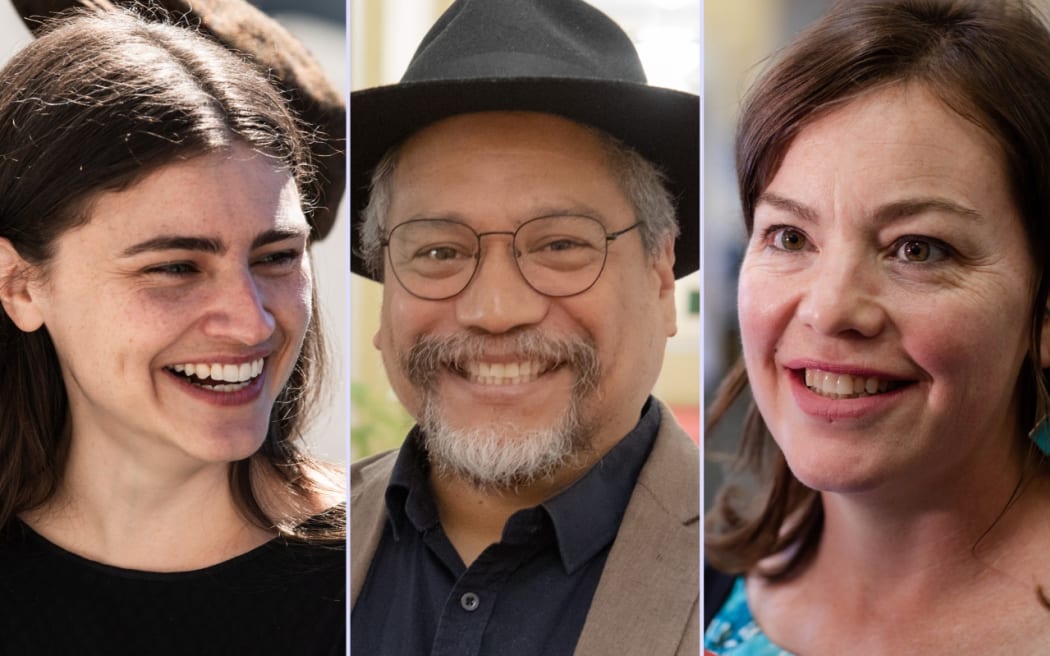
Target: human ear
(663, 266)
(15, 290)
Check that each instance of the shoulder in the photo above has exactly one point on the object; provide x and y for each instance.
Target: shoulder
(14, 534)
(672, 436)
(717, 586)
(368, 482)
(671, 474)
(373, 471)
(327, 527)
(649, 595)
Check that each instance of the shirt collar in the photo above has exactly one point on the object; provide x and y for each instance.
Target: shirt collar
(408, 497)
(586, 515)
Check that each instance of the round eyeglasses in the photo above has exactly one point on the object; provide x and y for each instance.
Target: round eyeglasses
(435, 259)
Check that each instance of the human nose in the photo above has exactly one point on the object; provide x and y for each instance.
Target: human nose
(498, 298)
(239, 313)
(842, 296)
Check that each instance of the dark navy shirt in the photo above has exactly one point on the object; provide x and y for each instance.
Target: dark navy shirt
(527, 594)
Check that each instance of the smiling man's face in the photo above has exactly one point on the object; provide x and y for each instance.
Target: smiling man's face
(508, 384)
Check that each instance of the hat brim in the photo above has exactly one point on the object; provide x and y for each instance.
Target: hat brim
(662, 125)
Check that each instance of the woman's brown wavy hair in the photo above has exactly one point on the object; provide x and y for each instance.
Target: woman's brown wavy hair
(988, 61)
(96, 103)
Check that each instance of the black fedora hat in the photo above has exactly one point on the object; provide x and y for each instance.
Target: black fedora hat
(561, 57)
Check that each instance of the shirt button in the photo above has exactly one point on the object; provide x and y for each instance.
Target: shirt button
(470, 602)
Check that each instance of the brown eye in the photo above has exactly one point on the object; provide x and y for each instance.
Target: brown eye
(914, 251)
(789, 239)
(921, 250)
(440, 253)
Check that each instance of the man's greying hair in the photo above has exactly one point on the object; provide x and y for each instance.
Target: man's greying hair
(642, 183)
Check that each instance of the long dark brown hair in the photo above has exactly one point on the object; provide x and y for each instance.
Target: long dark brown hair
(987, 60)
(96, 103)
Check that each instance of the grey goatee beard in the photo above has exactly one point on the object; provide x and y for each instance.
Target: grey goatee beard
(501, 455)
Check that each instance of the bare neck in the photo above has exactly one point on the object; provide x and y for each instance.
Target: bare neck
(118, 509)
(937, 530)
(893, 571)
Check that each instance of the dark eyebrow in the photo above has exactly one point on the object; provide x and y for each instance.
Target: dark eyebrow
(885, 214)
(914, 206)
(279, 234)
(786, 204)
(177, 243)
(208, 245)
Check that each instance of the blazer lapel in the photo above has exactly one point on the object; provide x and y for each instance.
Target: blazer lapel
(647, 601)
(368, 481)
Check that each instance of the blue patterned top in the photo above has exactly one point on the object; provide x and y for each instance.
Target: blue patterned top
(733, 631)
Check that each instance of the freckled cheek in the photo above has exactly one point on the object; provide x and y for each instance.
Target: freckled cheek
(289, 298)
(975, 354)
(111, 340)
(762, 313)
(303, 306)
(155, 302)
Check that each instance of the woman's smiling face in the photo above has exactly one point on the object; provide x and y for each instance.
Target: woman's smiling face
(885, 296)
(179, 308)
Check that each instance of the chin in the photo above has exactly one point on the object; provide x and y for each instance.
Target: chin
(836, 477)
(826, 468)
(230, 445)
(503, 454)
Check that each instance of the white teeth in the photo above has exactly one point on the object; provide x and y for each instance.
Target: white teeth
(500, 373)
(226, 388)
(238, 375)
(842, 386)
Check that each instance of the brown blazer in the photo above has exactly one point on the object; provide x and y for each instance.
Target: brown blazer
(648, 598)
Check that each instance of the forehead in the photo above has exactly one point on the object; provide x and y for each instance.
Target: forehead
(226, 191)
(895, 142)
(510, 160)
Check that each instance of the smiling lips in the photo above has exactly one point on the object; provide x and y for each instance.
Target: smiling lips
(220, 377)
(844, 386)
(504, 373)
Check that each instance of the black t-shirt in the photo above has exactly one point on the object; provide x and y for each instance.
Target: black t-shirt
(284, 597)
